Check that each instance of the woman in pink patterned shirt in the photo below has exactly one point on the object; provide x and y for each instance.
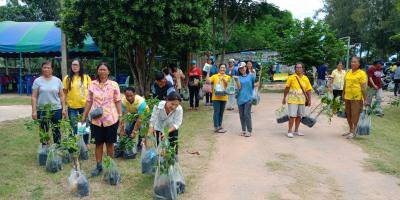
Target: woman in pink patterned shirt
(104, 105)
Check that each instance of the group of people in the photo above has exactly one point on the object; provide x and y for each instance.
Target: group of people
(100, 103)
(355, 87)
(216, 79)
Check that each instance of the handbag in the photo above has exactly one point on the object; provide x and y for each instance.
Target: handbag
(96, 113)
(307, 100)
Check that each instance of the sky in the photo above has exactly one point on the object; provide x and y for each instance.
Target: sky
(299, 8)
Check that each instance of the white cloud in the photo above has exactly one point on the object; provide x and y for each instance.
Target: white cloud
(299, 8)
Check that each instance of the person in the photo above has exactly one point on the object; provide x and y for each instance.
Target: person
(104, 104)
(167, 114)
(231, 71)
(178, 77)
(206, 68)
(396, 79)
(76, 85)
(322, 71)
(194, 83)
(250, 67)
(47, 94)
(168, 76)
(298, 93)
(162, 87)
(338, 80)
(354, 95)
(375, 86)
(220, 82)
(133, 104)
(271, 73)
(245, 84)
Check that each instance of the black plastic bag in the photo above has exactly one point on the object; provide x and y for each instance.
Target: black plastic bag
(78, 183)
(84, 152)
(42, 155)
(281, 115)
(111, 173)
(148, 160)
(308, 121)
(130, 153)
(164, 186)
(54, 160)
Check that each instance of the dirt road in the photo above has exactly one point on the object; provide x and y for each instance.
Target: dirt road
(14, 112)
(268, 165)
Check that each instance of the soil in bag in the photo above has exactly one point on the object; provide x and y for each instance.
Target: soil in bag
(42, 155)
(179, 179)
(84, 152)
(164, 187)
(54, 161)
(78, 183)
(111, 173)
(130, 154)
(308, 121)
(148, 160)
(118, 152)
(66, 158)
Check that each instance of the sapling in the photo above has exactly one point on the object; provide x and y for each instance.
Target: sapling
(111, 173)
(54, 160)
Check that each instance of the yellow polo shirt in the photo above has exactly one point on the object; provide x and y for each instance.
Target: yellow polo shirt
(296, 95)
(215, 79)
(77, 94)
(354, 80)
(138, 106)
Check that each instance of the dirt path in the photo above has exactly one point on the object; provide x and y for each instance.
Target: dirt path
(268, 165)
(14, 112)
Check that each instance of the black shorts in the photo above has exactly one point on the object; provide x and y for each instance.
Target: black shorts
(104, 134)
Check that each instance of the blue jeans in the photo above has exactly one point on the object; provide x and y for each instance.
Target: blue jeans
(245, 116)
(56, 115)
(129, 126)
(219, 108)
(73, 114)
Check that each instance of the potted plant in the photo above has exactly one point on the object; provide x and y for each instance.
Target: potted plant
(111, 173)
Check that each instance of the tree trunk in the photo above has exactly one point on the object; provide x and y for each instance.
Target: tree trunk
(225, 23)
(140, 70)
(214, 29)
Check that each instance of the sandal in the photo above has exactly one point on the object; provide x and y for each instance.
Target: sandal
(346, 134)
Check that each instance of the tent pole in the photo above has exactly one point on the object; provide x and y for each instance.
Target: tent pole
(115, 65)
(20, 74)
(64, 55)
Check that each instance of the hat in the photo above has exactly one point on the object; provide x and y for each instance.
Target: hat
(194, 62)
(159, 76)
(232, 60)
(241, 64)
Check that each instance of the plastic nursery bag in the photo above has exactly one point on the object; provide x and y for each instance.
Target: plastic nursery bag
(130, 153)
(281, 115)
(219, 89)
(111, 173)
(231, 89)
(81, 128)
(118, 152)
(164, 186)
(78, 183)
(84, 152)
(54, 161)
(148, 160)
(179, 179)
(364, 124)
(308, 120)
(66, 157)
(42, 154)
(256, 97)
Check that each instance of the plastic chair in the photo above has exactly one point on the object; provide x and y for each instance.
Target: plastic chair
(126, 84)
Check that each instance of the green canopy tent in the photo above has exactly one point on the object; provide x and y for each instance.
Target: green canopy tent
(37, 39)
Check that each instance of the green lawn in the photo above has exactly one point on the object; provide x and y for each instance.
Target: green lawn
(21, 100)
(383, 144)
(22, 178)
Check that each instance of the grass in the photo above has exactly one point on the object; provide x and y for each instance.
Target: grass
(266, 90)
(20, 100)
(384, 143)
(22, 178)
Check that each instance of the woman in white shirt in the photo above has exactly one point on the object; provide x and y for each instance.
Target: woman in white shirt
(338, 80)
(167, 114)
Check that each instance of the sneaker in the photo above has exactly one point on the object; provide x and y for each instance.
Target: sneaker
(346, 134)
(290, 135)
(351, 136)
(97, 171)
(248, 134)
(299, 134)
(380, 114)
(221, 130)
(243, 133)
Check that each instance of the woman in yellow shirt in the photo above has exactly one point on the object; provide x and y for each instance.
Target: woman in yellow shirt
(219, 96)
(76, 85)
(354, 94)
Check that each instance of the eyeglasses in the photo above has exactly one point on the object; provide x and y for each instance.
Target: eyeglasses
(73, 64)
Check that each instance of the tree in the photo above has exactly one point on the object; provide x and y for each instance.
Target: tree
(137, 29)
(30, 10)
(312, 43)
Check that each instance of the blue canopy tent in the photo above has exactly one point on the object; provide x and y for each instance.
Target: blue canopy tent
(37, 39)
